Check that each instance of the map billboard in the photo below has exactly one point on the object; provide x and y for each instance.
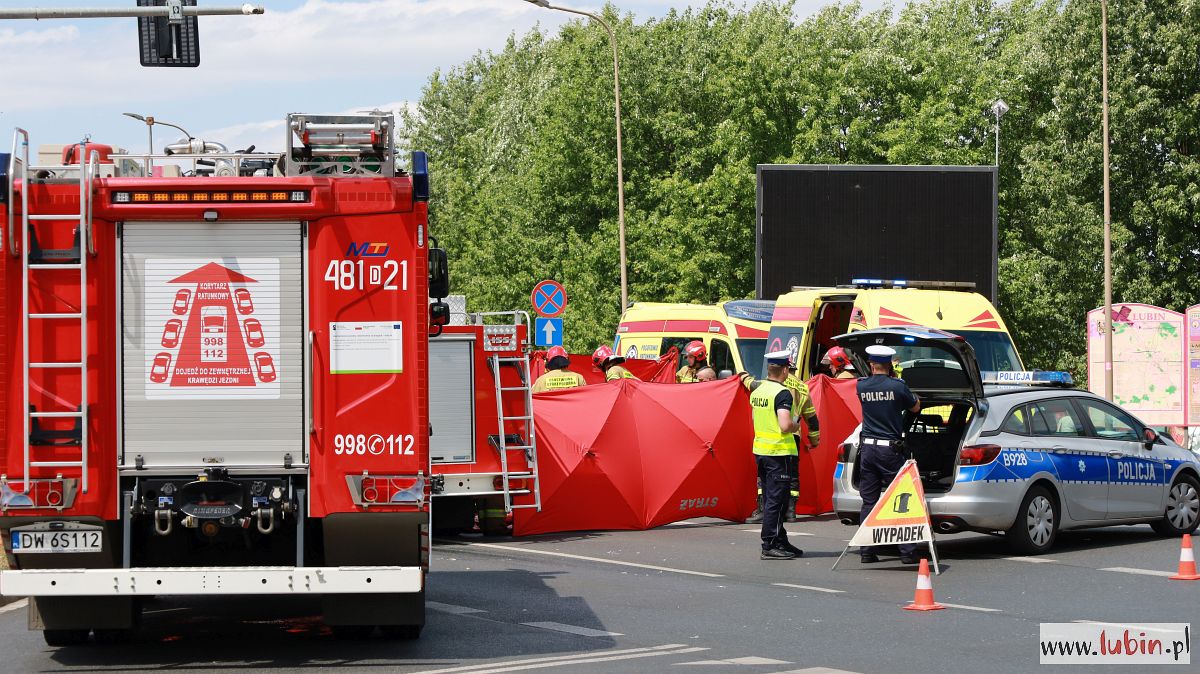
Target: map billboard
(1193, 364)
(1149, 374)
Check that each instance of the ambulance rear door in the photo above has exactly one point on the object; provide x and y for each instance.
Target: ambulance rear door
(831, 316)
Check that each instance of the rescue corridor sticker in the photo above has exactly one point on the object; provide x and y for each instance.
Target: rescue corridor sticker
(212, 329)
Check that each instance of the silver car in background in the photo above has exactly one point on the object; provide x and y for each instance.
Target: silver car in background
(1025, 460)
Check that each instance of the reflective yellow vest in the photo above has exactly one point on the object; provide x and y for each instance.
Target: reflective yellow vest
(686, 375)
(556, 380)
(768, 439)
(802, 406)
(617, 372)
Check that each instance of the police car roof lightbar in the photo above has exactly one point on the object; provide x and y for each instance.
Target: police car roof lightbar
(964, 286)
(1035, 378)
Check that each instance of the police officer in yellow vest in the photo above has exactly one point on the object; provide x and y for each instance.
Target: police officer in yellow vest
(557, 376)
(802, 407)
(775, 452)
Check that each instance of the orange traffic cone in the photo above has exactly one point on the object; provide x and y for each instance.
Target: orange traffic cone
(923, 599)
(1187, 561)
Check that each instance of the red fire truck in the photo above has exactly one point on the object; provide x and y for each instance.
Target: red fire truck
(217, 383)
(483, 447)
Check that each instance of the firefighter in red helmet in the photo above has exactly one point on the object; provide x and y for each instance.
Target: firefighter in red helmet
(558, 376)
(839, 363)
(697, 359)
(610, 365)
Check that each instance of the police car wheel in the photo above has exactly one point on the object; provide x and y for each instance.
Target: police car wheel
(1037, 522)
(1183, 508)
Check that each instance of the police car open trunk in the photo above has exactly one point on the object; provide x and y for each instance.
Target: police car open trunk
(940, 368)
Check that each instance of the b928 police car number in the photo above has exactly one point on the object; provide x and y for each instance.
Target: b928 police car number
(360, 444)
(1015, 459)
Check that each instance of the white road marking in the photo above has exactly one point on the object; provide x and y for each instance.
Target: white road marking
(585, 558)
(1140, 572)
(583, 661)
(749, 660)
(970, 608)
(452, 608)
(682, 523)
(14, 606)
(817, 670)
(810, 587)
(790, 533)
(1127, 626)
(1031, 560)
(572, 629)
(554, 659)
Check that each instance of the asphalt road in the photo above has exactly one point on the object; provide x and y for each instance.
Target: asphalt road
(687, 597)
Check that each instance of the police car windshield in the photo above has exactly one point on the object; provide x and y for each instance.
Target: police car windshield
(752, 352)
(993, 350)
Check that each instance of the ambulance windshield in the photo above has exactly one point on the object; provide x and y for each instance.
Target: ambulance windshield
(752, 351)
(993, 350)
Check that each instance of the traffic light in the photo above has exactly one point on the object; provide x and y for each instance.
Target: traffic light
(172, 41)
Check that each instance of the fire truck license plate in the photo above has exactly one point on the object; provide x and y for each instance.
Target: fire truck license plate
(77, 538)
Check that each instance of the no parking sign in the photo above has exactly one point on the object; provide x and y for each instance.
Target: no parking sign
(549, 299)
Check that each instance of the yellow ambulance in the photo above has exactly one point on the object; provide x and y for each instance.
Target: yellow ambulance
(806, 319)
(734, 332)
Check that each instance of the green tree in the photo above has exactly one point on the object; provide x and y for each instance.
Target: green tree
(522, 147)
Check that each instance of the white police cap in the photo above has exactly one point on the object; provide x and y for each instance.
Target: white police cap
(779, 357)
(880, 353)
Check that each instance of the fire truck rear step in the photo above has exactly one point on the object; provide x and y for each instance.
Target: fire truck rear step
(219, 580)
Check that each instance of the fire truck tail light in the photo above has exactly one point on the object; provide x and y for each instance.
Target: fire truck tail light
(52, 493)
(121, 197)
(367, 490)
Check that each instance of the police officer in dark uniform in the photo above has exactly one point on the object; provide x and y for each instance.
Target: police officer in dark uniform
(881, 448)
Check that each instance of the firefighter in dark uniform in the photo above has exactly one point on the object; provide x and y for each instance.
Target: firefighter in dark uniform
(775, 451)
(881, 448)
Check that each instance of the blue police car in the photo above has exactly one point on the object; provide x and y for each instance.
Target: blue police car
(1022, 454)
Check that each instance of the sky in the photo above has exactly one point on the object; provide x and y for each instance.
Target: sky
(64, 79)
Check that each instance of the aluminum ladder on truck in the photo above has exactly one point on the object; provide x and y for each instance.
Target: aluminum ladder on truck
(35, 259)
(504, 338)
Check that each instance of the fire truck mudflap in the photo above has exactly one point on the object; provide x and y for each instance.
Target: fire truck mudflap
(218, 385)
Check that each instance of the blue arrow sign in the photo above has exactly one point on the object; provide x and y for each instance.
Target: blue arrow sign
(549, 331)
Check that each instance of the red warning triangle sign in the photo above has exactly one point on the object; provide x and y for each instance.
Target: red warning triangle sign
(900, 515)
(902, 503)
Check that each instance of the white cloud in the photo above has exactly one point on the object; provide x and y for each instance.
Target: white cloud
(37, 38)
(67, 78)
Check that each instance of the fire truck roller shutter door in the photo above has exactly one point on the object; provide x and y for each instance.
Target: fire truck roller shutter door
(222, 400)
(452, 399)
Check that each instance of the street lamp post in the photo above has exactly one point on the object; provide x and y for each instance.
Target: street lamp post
(998, 109)
(1108, 332)
(612, 38)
